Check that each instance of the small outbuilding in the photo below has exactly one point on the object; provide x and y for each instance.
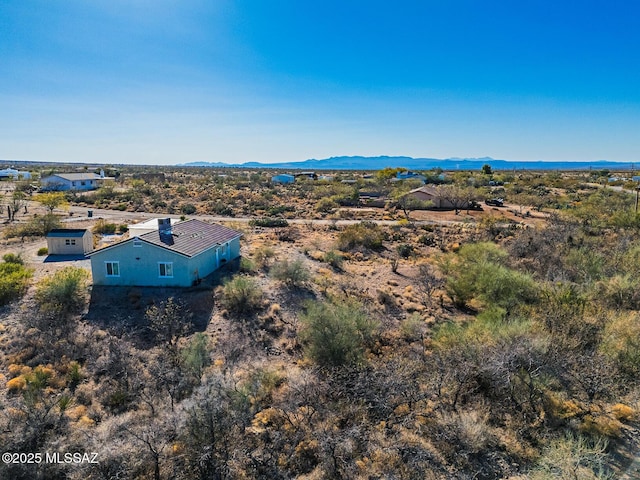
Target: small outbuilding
(69, 241)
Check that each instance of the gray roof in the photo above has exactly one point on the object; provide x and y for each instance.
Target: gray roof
(188, 238)
(77, 176)
(67, 232)
(192, 237)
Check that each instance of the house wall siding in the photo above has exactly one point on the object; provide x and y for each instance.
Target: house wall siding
(139, 266)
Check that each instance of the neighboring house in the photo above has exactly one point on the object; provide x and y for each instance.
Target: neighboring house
(408, 174)
(138, 229)
(311, 175)
(177, 255)
(14, 174)
(428, 193)
(69, 241)
(73, 181)
(283, 178)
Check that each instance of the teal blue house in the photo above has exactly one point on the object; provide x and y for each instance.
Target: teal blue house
(178, 255)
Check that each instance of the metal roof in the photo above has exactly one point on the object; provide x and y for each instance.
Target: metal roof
(67, 232)
(188, 238)
(77, 176)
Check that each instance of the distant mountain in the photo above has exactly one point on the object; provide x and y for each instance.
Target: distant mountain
(377, 163)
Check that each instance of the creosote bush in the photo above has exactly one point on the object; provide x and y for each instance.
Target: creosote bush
(63, 292)
(336, 333)
(366, 235)
(14, 278)
(241, 295)
(292, 273)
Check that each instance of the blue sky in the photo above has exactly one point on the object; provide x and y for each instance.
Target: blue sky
(174, 81)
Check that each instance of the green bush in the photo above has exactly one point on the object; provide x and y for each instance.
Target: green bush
(188, 209)
(336, 333)
(334, 259)
(61, 294)
(477, 271)
(293, 274)
(13, 258)
(268, 222)
(14, 280)
(364, 234)
(241, 295)
(43, 251)
(38, 226)
(104, 227)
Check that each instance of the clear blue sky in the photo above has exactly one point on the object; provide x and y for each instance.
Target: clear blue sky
(159, 81)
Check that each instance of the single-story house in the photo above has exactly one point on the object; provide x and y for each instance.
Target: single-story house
(69, 241)
(177, 255)
(73, 181)
(138, 229)
(428, 193)
(409, 174)
(283, 178)
(14, 174)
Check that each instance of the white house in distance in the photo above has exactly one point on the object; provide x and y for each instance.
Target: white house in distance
(69, 241)
(177, 255)
(14, 174)
(283, 178)
(73, 181)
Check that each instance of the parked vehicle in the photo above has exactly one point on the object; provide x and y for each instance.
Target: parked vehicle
(495, 202)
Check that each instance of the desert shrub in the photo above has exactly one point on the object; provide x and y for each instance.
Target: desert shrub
(336, 333)
(292, 273)
(13, 258)
(62, 293)
(188, 209)
(412, 327)
(333, 258)
(269, 222)
(123, 228)
(14, 280)
(621, 342)
(364, 234)
(326, 205)
(195, 356)
(247, 265)
(572, 457)
(241, 295)
(43, 251)
(104, 227)
(263, 255)
(404, 250)
(477, 271)
(38, 226)
(620, 291)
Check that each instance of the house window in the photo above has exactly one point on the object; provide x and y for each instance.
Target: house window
(166, 269)
(113, 269)
(137, 242)
(70, 241)
(83, 183)
(224, 249)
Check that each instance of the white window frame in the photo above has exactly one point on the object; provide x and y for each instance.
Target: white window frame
(70, 241)
(166, 270)
(137, 242)
(112, 263)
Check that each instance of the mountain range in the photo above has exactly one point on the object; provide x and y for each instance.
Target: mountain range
(379, 162)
